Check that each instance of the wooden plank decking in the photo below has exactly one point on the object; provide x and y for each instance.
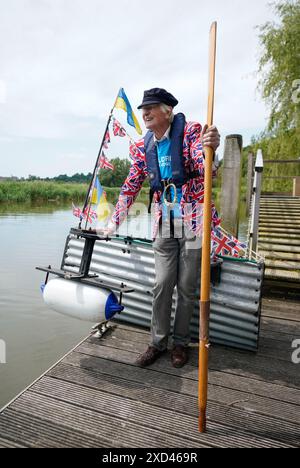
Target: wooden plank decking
(97, 397)
(279, 238)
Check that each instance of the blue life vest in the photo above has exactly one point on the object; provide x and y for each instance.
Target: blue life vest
(179, 176)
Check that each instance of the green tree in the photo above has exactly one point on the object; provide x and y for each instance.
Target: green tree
(279, 68)
(116, 177)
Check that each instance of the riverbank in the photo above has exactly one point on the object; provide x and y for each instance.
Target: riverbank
(40, 192)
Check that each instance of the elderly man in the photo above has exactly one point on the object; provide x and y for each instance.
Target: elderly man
(171, 155)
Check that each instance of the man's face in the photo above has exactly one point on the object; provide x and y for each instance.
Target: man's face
(154, 117)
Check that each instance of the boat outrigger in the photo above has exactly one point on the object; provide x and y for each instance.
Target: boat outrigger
(82, 294)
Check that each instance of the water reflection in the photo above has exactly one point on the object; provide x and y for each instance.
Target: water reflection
(31, 208)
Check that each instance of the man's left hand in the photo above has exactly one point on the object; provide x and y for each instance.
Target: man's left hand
(211, 137)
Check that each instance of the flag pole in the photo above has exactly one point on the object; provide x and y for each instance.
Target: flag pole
(206, 247)
(88, 195)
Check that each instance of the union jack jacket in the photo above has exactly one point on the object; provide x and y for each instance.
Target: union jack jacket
(192, 192)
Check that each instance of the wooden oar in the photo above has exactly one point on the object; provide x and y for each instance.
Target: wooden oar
(206, 247)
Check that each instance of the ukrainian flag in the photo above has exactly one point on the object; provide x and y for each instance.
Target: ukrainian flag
(97, 192)
(99, 199)
(123, 103)
(103, 210)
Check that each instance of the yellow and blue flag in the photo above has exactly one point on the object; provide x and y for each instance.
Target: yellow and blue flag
(103, 209)
(97, 192)
(99, 199)
(123, 103)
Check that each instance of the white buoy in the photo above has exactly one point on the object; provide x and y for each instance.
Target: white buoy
(81, 301)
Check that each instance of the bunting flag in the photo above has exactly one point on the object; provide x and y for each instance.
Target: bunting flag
(77, 212)
(225, 244)
(123, 103)
(106, 140)
(89, 215)
(104, 163)
(118, 129)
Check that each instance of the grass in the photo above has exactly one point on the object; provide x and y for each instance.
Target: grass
(40, 192)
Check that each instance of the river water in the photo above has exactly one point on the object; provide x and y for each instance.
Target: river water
(33, 336)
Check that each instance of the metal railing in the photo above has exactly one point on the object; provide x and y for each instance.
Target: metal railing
(250, 177)
(255, 205)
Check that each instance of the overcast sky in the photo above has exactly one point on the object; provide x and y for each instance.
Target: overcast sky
(62, 63)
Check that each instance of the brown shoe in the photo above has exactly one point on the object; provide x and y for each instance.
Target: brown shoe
(179, 356)
(149, 356)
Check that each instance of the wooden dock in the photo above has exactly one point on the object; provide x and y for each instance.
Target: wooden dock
(279, 238)
(97, 397)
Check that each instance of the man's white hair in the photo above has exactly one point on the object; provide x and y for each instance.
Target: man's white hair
(165, 108)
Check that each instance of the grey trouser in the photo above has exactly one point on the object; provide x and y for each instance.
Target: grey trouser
(177, 263)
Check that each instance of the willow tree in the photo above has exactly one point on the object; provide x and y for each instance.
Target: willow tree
(279, 70)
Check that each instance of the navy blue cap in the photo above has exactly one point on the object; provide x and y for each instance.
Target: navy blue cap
(158, 96)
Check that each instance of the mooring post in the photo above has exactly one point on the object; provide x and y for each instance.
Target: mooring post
(250, 180)
(296, 191)
(231, 184)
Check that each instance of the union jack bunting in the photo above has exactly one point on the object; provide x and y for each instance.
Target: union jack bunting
(118, 129)
(77, 212)
(106, 140)
(224, 244)
(192, 191)
(105, 164)
(93, 214)
(89, 215)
